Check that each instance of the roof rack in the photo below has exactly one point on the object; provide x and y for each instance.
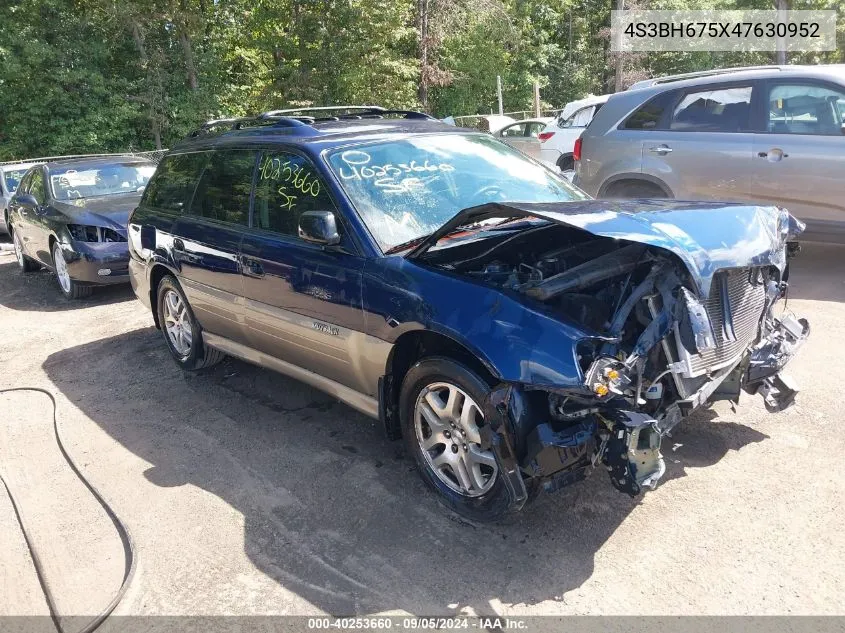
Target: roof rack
(299, 117)
(701, 73)
(47, 159)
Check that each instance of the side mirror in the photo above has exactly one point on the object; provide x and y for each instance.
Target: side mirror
(319, 227)
(26, 200)
(148, 237)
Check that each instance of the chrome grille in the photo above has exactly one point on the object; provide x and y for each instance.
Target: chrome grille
(747, 297)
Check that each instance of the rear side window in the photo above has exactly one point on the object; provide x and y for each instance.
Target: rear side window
(224, 189)
(173, 183)
(288, 185)
(806, 109)
(722, 110)
(648, 115)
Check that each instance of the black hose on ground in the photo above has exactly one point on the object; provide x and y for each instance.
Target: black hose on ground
(123, 532)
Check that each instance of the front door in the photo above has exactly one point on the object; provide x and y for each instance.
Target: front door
(207, 237)
(799, 159)
(302, 301)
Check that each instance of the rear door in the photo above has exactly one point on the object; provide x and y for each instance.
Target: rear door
(702, 146)
(799, 158)
(207, 237)
(302, 301)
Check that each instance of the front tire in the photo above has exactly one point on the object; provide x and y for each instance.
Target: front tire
(440, 412)
(70, 288)
(181, 330)
(25, 264)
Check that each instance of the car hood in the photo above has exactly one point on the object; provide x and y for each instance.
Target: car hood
(706, 236)
(110, 211)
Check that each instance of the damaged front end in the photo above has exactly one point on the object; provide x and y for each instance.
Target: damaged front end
(669, 326)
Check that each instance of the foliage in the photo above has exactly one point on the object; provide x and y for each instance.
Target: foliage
(79, 76)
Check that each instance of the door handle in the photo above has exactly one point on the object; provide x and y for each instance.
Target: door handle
(251, 267)
(774, 154)
(662, 150)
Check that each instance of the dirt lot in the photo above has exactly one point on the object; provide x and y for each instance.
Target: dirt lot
(247, 492)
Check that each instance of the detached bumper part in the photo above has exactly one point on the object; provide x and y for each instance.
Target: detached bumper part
(764, 375)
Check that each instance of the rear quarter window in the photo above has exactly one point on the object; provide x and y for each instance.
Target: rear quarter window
(173, 183)
(649, 115)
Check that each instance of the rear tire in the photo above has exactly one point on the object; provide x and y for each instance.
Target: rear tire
(634, 189)
(444, 441)
(25, 264)
(181, 330)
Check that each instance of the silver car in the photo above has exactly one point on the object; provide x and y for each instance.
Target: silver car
(524, 135)
(772, 135)
(10, 176)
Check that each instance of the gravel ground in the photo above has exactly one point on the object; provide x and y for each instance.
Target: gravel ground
(249, 493)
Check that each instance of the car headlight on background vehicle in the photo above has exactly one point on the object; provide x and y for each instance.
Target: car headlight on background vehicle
(83, 233)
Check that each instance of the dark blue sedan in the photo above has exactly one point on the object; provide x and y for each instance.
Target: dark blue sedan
(516, 333)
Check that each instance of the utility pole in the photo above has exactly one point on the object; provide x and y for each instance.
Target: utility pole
(782, 6)
(499, 92)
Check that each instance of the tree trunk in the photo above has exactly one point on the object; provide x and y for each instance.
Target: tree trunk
(619, 65)
(187, 48)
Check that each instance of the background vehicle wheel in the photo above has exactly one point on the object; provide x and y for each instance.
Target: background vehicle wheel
(24, 263)
(440, 411)
(69, 288)
(634, 189)
(181, 330)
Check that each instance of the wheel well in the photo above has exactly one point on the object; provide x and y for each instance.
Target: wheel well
(566, 161)
(618, 185)
(156, 275)
(51, 243)
(410, 348)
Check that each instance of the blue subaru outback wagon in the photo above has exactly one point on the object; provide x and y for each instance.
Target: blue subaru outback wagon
(514, 332)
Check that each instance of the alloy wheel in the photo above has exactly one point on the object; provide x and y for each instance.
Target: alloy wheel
(61, 269)
(177, 323)
(447, 421)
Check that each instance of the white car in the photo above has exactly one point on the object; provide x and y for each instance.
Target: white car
(557, 140)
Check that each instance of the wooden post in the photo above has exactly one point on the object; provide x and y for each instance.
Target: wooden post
(537, 99)
(499, 92)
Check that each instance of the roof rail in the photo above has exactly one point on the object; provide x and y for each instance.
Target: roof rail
(299, 117)
(701, 73)
(47, 159)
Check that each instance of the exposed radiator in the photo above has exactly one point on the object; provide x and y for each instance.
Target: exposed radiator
(746, 297)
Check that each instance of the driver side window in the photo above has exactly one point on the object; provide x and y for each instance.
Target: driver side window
(287, 185)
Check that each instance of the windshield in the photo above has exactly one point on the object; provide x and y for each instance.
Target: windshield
(103, 180)
(408, 188)
(13, 179)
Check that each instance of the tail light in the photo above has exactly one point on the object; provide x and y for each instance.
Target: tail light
(576, 151)
(545, 136)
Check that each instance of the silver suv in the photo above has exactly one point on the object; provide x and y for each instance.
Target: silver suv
(774, 135)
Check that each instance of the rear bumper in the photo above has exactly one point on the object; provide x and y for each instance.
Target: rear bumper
(98, 264)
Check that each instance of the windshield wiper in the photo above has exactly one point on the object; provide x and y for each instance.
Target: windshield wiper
(458, 229)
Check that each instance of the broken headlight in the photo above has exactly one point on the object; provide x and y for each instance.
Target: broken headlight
(82, 233)
(607, 376)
